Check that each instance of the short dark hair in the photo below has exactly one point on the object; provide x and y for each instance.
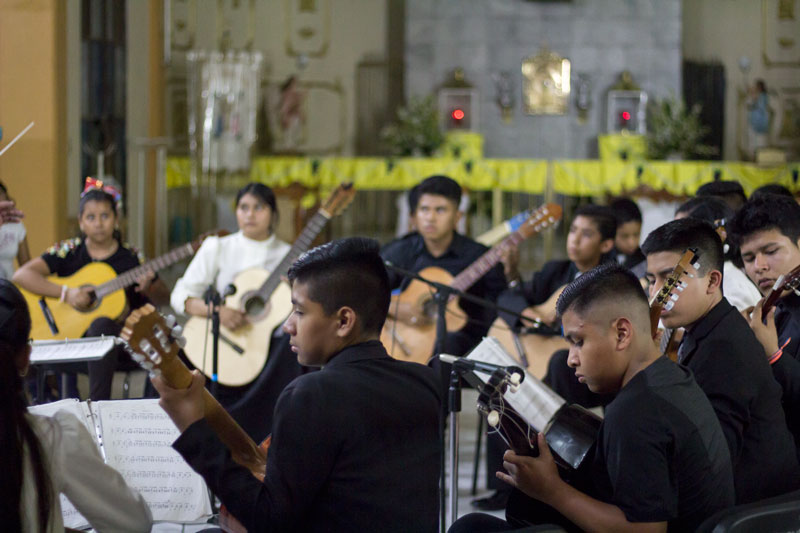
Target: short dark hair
(346, 272)
(97, 195)
(602, 216)
(730, 191)
(678, 235)
(766, 212)
(439, 185)
(609, 281)
(772, 188)
(712, 209)
(260, 191)
(626, 211)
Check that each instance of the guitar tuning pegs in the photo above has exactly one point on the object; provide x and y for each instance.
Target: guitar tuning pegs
(670, 304)
(136, 356)
(145, 346)
(147, 365)
(493, 418)
(170, 320)
(181, 341)
(155, 373)
(176, 331)
(680, 287)
(673, 297)
(696, 265)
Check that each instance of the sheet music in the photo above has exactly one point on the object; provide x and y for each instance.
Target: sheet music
(138, 437)
(70, 350)
(72, 518)
(533, 400)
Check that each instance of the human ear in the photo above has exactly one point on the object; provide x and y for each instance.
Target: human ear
(606, 245)
(346, 321)
(714, 281)
(623, 332)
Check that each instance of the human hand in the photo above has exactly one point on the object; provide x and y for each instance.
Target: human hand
(9, 213)
(184, 406)
(535, 476)
(143, 281)
(767, 334)
(509, 255)
(231, 318)
(80, 298)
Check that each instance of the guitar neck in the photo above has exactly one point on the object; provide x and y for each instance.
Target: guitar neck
(655, 316)
(302, 244)
(243, 449)
(129, 277)
(484, 263)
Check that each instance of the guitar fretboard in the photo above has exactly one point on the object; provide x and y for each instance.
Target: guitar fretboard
(303, 242)
(484, 263)
(129, 277)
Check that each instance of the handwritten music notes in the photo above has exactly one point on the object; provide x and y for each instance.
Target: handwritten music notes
(135, 437)
(534, 400)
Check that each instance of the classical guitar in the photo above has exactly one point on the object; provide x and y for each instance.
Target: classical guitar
(665, 299)
(53, 319)
(151, 340)
(786, 282)
(266, 300)
(414, 342)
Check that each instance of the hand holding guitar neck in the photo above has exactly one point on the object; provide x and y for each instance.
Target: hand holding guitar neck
(786, 282)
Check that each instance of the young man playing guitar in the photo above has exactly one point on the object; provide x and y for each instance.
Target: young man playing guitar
(768, 231)
(589, 241)
(355, 446)
(727, 361)
(660, 462)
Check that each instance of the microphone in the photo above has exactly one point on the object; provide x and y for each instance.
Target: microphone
(515, 373)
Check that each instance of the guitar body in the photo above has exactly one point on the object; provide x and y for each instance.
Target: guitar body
(242, 353)
(538, 348)
(70, 322)
(415, 343)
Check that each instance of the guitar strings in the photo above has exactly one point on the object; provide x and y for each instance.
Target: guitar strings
(499, 405)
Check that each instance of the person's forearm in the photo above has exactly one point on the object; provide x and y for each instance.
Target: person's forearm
(36, 283)
(196, 307)
(593, 515)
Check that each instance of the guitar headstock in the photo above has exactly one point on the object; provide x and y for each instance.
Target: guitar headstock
(511, 427)
(153, 341)
(545, 216)
(786, 282)
(666, 298)
(195, 244)
(339, 199)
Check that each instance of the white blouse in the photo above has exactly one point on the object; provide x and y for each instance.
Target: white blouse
(220, 259)
(76, 470)
(737, 287)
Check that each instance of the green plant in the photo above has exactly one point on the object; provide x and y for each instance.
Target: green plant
(416, 131)
(675, 131)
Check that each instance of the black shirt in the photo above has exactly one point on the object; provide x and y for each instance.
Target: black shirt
(661, 455)
(68, 256)
(355, 447)
(787, 369)
(409, 253)
(729, 365)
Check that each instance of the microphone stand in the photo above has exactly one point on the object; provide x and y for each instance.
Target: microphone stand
(441, 297)
(213, 300)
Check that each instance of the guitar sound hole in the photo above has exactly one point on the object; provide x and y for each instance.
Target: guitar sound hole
(254, 306)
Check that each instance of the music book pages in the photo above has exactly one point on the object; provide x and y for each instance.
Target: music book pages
(71, 350)
(533, 400)
(135, 437)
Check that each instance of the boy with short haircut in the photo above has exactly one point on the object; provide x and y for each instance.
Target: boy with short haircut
(729, 191)
(629, 231)
(661, 461)
(351, 442)
(727, 361)
(767, 229)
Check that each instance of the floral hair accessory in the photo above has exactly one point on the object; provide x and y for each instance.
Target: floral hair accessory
(94, 183)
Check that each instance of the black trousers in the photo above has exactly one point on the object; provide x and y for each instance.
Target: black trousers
(101, 372)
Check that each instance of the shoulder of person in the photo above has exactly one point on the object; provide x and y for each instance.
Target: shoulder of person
(64, 248)
(133, 251)
(401, 242)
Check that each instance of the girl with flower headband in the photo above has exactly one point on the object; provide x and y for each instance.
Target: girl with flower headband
(100, 240)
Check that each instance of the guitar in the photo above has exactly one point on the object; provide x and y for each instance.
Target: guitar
(414, 342)
(58, 320)
(785, 282)
(535, 342)
(266, 300)
(665, 299)
(150, 339)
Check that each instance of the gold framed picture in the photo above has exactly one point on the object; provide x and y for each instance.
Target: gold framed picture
(545, 84)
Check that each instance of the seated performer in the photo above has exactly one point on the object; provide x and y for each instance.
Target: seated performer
(727, 361)
(589, 241)
(355, 446)
(217, 263)
(737, 288)
(47, 456)
(629, 231)
(100, 240)
(660, 462)
(434, 210)
(768, 230)
(13, 242)
(731, 192)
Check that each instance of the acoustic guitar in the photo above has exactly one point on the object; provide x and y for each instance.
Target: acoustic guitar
(265, 299)
(150, 339)
(414, 342)
(52, 319)
(665, 299)
(785, 282)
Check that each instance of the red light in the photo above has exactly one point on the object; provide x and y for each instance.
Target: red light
(457, 114)
(626, 115)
